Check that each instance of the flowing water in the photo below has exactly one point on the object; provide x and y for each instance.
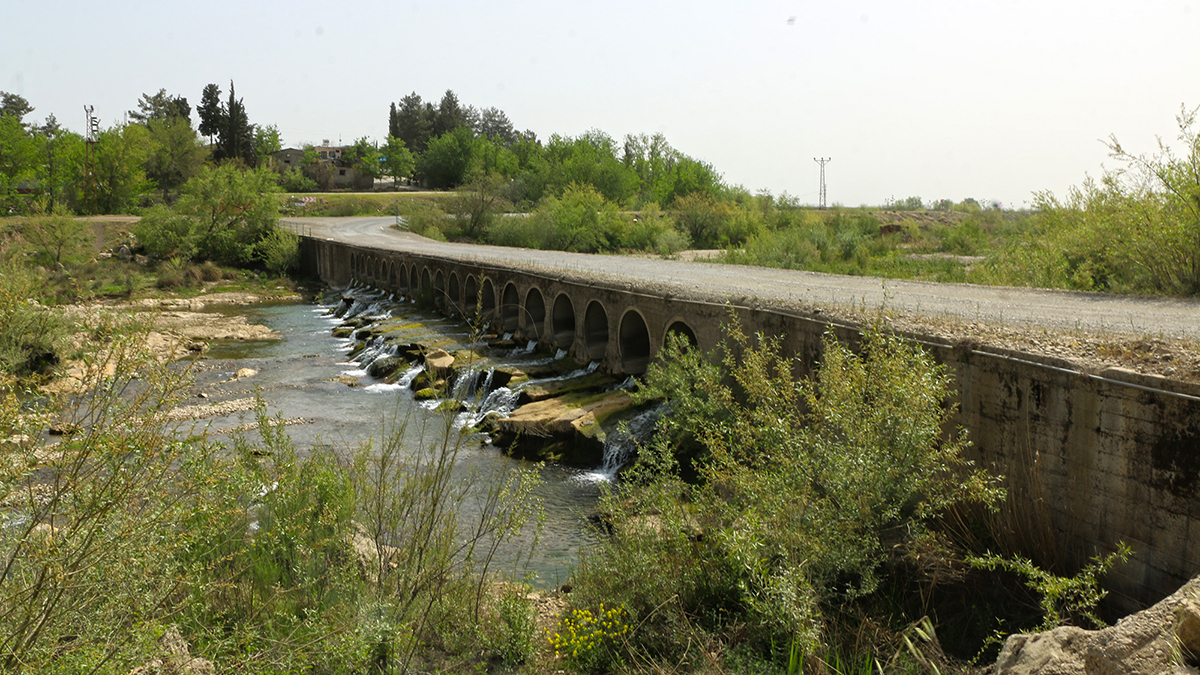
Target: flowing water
(306, 374)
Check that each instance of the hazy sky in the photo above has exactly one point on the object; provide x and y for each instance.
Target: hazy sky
(933, 98)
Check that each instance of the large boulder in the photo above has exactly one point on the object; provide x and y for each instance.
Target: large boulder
(1162, 639)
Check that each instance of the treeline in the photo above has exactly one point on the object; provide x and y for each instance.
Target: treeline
(44, 167)
(455, 144)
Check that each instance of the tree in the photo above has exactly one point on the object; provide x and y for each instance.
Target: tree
(450, 115)
(14, 105)
(414, 121)
(495, 125)
(365, 158)
(175, 153)
(445, 162)
(589, 159)
(57, 235)
(120, 167)
(59, 171)
(236, 137)
(478, 202)
(161, 106)
(266, 142)
(222, 214)
(398, 162)
(211, 112)
(18, 156)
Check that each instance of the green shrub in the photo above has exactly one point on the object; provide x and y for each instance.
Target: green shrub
(803, 488)
(1136, 230)
(279, 250)
(32, 337)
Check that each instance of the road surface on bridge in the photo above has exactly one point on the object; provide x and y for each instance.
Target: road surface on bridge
(1061, 312)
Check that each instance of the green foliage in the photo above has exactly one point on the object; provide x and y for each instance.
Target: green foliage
(477, 204)
(58, 237)
(222, 214)
(253, 554)
(235, 133)
(652, 230)
(279, 250)
(32, 338)
(714, 224)
(1063, 599)
(175, 153)
(162, 107)
(581, 220)
(446, 160)
(295, 180)
(90, 553)
(120, 160)
(266, 142)
(803, 488)
(1136, 230)
(518, 631)
(398, 160)
(18, 152)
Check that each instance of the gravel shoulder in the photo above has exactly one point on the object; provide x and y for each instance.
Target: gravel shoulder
(1095, 331)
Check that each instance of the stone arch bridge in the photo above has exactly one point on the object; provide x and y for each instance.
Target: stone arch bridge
(1107, 456)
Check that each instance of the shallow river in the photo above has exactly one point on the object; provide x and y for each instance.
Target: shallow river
(295, 379)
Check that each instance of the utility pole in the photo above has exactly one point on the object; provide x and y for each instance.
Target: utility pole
(89, 158)
(822, 161)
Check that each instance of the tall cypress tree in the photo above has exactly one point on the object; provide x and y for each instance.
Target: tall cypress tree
(236, 140)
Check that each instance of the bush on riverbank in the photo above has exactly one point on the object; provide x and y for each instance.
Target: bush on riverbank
(803, 491)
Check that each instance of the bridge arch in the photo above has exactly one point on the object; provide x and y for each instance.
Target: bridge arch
(487, 304)
(683, 330)
(470, 295)
(439, 290)
(426, 281)
(510, 309)
(535, 314)
(414, 281)
(595, 330)
(633, 338)
(454, 304)
(562, 322)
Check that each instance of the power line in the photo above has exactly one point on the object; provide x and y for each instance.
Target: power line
(822, 161)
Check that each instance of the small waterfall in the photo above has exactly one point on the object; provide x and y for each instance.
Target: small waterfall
(526, 350)
(414, 369)
(621, 445)
(560, 354)
(502, 401)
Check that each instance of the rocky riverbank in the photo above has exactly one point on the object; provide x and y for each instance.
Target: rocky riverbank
(175, 328)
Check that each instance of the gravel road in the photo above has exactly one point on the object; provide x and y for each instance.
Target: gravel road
(1070, 312)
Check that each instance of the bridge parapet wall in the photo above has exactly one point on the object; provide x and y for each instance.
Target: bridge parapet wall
(1101, 459)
